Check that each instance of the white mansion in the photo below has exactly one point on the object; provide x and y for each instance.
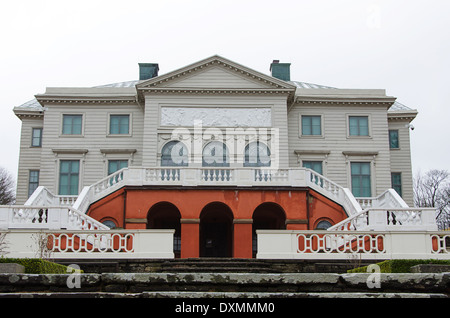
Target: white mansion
(218, 160)
(72, 137)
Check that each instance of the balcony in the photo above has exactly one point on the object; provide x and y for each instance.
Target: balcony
(211, 177)
(387, 210)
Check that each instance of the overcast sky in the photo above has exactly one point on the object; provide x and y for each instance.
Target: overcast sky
(400, 46)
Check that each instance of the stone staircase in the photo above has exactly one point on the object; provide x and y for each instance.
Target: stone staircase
(213, 265)
(224, 285)
(225, 278)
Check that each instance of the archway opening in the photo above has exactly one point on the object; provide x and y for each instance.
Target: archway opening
(165, 215)
(216, 230)
(267, 216)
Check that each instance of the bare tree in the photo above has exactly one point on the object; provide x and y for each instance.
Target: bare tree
(3, 244)
(433, 190)
(43, 243)
(7, 185)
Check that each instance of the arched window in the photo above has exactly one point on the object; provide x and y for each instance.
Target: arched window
(109, 223)
(215, 154)
(323, 225)
(174, 153)
(257, 154)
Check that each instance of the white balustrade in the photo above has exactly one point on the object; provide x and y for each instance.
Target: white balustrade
(217, 176)
(162, 175)
(89, 245)
(271, 176)
(388, 198)
(43, 197)
(340, 243)
(398, 219)
(110, 181)
(345, 245)
(365, 203)
(441, 243)
(46, 217)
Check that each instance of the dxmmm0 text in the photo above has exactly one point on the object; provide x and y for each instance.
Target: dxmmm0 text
(247, 307)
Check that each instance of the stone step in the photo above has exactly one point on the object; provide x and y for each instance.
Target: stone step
(224, 269)
(171, 284)
(217, 265)
(211, 265)
(219, 295)
(262, 295)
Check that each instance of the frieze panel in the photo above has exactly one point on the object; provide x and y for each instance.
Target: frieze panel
(216, 117)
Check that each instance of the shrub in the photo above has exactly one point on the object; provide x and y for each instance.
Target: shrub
(37, 265)
(399, 265)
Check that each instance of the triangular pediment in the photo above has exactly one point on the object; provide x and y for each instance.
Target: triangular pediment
(216, 73)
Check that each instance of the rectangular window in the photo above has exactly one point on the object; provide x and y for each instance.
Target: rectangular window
(72, 124)
(36, 137)
(69, 173)
(311, 125)
(116, 165)
(313, 165)
(396, 180)
(360, 177)
(358, 125)
(393, 139)
(119, 124)
(33, 181)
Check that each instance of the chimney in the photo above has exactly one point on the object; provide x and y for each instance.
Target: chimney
(148, 70)
(281, 70)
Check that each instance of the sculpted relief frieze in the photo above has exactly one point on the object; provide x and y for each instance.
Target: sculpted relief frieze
(216, 116)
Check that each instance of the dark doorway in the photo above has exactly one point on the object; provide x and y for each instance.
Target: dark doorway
(216, 230)
(165, 215)
(267, 216)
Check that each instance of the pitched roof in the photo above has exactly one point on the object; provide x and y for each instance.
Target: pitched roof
(35, 105)
(395, 107)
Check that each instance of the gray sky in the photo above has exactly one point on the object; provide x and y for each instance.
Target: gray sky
(400, 46)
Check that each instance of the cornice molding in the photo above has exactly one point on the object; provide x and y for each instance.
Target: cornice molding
(70, 151)
(214, 91)
(402, 115)
(117, 151)
(360, 153)
(21, 114)
(85, 100)
(311, 152)
(369, 101)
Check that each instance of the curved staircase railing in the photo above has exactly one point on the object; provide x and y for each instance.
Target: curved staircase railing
(357, 209)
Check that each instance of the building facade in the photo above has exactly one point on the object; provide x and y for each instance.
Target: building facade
(208, 133)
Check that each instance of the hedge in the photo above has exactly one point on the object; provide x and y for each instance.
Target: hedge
(400, 265)
(37, 265)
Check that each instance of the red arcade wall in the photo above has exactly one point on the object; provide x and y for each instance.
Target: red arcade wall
(216, 222)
